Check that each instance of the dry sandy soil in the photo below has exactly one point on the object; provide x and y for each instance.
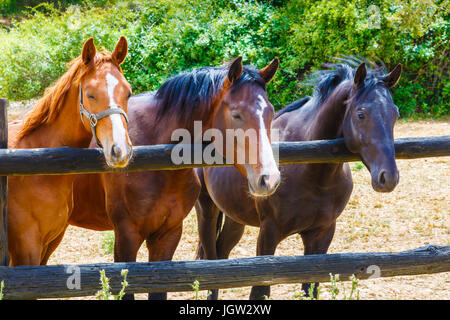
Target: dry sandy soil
(415, 214)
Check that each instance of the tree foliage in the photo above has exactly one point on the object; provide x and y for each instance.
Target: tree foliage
(168, 36)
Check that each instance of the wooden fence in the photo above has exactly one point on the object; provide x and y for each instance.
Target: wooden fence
(31, 282)
(51, 281)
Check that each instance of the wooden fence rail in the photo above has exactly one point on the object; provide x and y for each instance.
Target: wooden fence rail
(66, 160)
(32, 282)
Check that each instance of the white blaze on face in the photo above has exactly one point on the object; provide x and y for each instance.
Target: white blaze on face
(119, 133)
(266, 153)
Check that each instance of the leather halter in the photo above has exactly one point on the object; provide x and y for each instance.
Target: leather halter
(93, 118)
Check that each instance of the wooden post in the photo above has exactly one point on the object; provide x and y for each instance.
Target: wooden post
(4, 257)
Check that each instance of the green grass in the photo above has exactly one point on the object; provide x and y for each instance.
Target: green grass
(2, 285)
(105, 292)
(108, 242)
(196, 287)
(358, 166)
(337, 290)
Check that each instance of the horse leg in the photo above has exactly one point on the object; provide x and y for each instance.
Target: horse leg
(162, 248)
(317, 241)
(25, 248)
(207, 218)
(228, 238)
(126, 245)
(268, 240)
(52, 247)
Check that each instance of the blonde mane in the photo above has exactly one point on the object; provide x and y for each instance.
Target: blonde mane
(50, 105)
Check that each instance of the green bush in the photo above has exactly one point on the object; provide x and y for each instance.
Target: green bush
(172, 36)
(35, 51)
(414, 33)
(8, 7)
(168, 36)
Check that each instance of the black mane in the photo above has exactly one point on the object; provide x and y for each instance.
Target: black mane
(325, 81)
(192, 92)
(293, 106)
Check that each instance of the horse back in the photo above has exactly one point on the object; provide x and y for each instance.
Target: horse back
(294, 121)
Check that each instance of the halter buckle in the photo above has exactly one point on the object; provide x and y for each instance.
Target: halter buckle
(93, 119)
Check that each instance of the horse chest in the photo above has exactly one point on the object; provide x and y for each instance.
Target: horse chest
(306, 201)
(47, 206)
(162, 199)
(54, 192)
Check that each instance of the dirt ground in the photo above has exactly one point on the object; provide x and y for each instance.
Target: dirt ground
(415, 214)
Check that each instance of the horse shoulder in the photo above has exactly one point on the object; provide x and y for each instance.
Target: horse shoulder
(292, 127)
(142, 114)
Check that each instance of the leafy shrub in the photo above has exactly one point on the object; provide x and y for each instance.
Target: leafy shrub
(36, 50)
(18, 6)
(168, 36)
(414, 33)
(172, 36)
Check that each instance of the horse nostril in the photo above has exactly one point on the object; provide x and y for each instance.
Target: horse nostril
(382, 178)
(263, 180)
(115, 152)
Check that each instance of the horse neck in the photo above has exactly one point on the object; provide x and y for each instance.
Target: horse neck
(325, 126)
(65, 130)
(329, 117)
(162, 129)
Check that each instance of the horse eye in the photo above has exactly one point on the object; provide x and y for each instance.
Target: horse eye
(360, 113)
(90, 96)
(236, 116)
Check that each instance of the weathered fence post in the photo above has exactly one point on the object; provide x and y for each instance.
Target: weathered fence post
(4, 257)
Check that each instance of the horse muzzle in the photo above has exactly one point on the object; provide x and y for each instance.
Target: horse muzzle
(385, 180)
(264, 185)
(118, 157)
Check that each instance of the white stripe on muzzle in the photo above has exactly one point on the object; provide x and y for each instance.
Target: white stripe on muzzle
(119, 133)
(266, 153)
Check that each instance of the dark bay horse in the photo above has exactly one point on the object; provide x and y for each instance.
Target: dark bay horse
(150, 206)
(93, 89)
(349, 102)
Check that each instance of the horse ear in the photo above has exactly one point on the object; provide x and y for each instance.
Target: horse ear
(235, 70)
(89, 51)
(121, 50)
(360, 74)
(392, 78)
(268, 72)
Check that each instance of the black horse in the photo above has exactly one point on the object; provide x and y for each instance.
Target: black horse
(348, 102)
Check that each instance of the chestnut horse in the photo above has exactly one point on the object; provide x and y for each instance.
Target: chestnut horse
(89, 99)
(150, 206)
(352, 104)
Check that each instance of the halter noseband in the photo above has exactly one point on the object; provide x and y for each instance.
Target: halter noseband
(93, 118)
